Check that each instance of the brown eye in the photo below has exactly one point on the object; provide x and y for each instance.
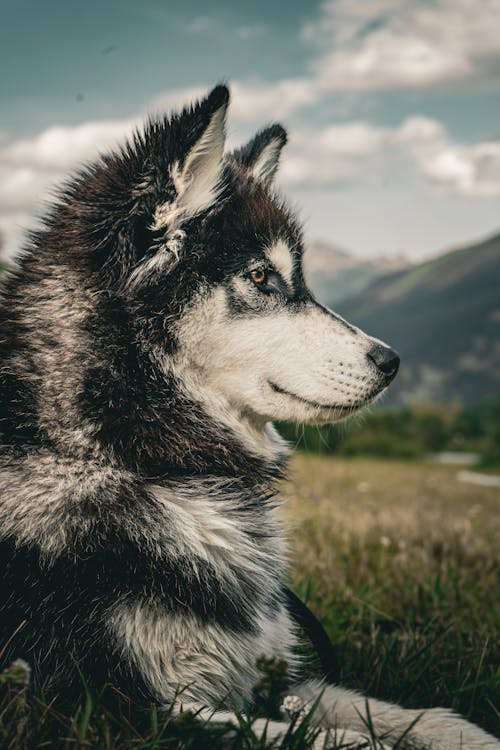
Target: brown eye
(258, 276)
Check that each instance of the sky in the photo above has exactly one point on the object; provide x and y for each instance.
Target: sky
(392, 106)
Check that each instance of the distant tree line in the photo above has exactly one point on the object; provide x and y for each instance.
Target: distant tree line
(407, 432)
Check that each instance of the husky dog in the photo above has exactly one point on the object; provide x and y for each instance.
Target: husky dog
(155, 326)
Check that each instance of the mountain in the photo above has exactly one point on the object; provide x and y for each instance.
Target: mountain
(443, 316)
(335, 275)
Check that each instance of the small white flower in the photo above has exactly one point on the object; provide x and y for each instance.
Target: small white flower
(22, 669)
(294, 707)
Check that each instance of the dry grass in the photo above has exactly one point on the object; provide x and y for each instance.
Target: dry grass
(400, 561)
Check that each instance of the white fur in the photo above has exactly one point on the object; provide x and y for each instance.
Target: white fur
(349, 720)
(161, 262)
(207, 663)
(205, 523)
(281, 257)
(276, 730)
(198, 182)
(257, 435)
(436, 728)
(175, 650)
(310, 354)
(266, 164)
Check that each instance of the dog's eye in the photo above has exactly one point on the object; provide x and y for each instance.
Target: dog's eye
(259, 276)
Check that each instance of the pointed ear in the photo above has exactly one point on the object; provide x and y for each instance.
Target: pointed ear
(196, 177)
(197, 181)
(197, 174)
(261, 155)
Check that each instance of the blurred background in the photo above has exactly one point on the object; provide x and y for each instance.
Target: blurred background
(393, 113)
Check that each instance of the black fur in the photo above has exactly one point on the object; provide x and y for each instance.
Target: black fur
(77, 384)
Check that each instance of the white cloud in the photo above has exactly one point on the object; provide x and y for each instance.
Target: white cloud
(471, 170)
(421, 130)
(371, 45)
(13, 226)
(60, 147)
(376, 44)
(337, 153)
(359, 151)
(258, 100)
(31, 168)
(22, 186)
(350, 139)
(355, 152)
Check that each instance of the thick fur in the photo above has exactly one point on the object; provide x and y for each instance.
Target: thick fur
(151, 331)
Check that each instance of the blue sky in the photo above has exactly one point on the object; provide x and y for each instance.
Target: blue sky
(392, 106)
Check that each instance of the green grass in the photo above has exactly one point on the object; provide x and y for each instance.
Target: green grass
(400, 562)
(409, 432)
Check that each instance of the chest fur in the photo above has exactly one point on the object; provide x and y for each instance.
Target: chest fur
(234, 549)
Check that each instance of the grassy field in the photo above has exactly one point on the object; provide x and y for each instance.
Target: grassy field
(400, 562)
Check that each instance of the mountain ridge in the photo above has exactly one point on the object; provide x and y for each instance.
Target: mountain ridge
(334, 274)
(443, 316)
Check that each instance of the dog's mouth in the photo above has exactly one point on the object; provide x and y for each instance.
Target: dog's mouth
(340, 409)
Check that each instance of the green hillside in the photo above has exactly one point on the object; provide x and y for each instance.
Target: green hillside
(443, 316)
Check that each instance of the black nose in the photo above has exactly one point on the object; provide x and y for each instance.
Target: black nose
(386, 360)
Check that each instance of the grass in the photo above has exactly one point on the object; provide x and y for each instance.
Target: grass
(400, 562)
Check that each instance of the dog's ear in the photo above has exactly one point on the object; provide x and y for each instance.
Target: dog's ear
(197, 181)
(197, 174)
(261, 155)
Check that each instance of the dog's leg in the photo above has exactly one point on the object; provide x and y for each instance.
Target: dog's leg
(434, 729)
(273, 731)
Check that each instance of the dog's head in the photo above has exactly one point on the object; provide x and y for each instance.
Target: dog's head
(209, 259)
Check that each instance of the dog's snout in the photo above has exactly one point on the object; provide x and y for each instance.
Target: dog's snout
(385, 359)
